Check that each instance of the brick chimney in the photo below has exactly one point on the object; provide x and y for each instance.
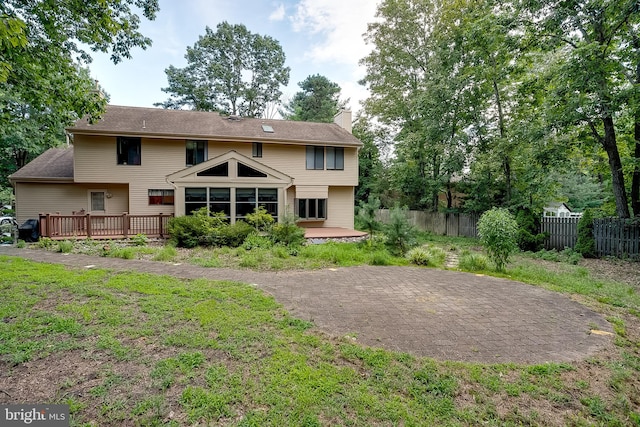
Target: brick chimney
(343, 119)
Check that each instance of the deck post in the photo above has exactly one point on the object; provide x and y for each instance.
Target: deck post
(160, 218)
(125, 224)
(88, 225)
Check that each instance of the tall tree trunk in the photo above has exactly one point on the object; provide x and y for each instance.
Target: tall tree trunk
(506, 163)
(617, 177)
(635, 181)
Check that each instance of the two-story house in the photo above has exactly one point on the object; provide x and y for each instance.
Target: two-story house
(146, 161)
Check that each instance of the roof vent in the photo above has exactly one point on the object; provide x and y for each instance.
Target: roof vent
(267, 128)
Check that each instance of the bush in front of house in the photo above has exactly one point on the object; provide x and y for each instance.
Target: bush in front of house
(498, 232)
(260, 219)
(190, 231)
(287, 232)
(232, 235)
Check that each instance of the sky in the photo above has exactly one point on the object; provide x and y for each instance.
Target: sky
(318, 37)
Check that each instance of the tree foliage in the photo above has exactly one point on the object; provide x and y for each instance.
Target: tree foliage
(497, 99)
(318, 101)
(43, 83)
(498, 232)
(230, 70)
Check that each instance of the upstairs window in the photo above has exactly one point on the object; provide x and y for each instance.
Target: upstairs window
(196, 152)
(128, 151)
(335, 158)
(315, 157)
(256, 150)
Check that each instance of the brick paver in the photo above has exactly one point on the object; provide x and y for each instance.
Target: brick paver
(446, 315)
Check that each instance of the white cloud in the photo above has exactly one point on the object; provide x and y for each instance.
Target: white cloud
(278, 14)
(338, 24)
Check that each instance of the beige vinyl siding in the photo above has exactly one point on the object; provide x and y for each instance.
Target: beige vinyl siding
(340, 207)
(95, 163)
(312, 192)
(35, 198)
(291, 160)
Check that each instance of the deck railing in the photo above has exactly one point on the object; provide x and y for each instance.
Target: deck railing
(56, 226)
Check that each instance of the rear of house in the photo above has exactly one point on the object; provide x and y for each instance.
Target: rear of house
(147, 161)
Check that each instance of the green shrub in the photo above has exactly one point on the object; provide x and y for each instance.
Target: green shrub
(470, 261)
(529, 236)
(427, 255)
(366, 218)
(190, 230)
(65, 246)
(140, 240)
(260, 219)
(45, 243)
(21, 244)
(287, 232)
(124, 253)
(586, 243)
(400, 234)
(254, 240)
(498, 232)
(232, 235)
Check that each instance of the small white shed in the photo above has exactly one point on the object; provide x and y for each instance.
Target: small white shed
(559, 210)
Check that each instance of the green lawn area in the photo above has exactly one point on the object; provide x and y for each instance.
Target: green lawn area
(140, 349)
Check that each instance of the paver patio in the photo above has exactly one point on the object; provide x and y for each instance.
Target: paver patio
(446, 315)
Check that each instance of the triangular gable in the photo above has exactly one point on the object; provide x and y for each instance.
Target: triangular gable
(253, 171)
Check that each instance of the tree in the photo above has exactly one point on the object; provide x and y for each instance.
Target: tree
(417, 89)
(43, 83)
(319, 101)
(589, 41)
(369, 164)
(231, 71)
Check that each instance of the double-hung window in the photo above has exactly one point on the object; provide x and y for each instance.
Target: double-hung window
(315, 157)
(128, 150)
(335, 158)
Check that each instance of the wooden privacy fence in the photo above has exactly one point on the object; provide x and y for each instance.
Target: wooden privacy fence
(56, 226)
(445, 224)
(563, 232)
(616, 237)
(613, 236)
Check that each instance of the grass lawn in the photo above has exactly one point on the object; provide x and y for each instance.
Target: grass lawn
(138, 349)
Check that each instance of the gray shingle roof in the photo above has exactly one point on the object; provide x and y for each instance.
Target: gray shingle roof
(55, 164)
(157, 122)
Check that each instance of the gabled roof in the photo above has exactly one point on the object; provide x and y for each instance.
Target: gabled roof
(191, 172)
(55, 164)
(161, 123)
